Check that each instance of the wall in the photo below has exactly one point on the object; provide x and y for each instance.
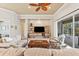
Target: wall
(41, 22)
(10, 21)
(28, 17)
(22, 22)
(64, 10)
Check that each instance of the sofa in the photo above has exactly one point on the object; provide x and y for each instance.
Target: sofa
(65, 52)
(38, 52)
(51, 52)
(18, 43)
(69, 40)
(24, 52)
(12, 51)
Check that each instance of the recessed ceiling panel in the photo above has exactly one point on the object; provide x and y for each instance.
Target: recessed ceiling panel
(25, 8)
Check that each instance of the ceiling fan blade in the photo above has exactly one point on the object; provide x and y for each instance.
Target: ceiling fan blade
(44, 8)
(38, 9)
(44, 4)
(33, 4)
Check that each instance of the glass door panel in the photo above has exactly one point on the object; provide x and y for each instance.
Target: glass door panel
(66, 27)
(68, 31)
(76, 37)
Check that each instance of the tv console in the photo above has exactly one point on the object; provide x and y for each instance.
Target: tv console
(44, 33)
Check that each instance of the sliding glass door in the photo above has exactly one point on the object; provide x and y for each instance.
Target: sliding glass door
(66, 27)
(70, 27)
(76, 37)
(68, 31)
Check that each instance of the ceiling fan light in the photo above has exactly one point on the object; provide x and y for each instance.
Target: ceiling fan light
(49, 7)
(38, 9)
(43, 6)
(29, 6)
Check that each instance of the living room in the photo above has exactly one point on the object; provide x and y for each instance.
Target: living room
(38, 29)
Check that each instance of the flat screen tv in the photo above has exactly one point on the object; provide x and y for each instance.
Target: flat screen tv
(39, 29)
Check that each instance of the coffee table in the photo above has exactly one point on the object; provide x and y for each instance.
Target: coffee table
(38, 43)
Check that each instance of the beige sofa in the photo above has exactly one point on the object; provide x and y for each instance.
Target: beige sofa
(24, 52)
(38, 52)
(51, 52)
(19, 43)
(12, 51)
(65, 52)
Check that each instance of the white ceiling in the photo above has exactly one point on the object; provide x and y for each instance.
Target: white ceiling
(22, 8)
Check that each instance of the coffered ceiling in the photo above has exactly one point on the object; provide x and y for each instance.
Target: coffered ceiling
(25, 8)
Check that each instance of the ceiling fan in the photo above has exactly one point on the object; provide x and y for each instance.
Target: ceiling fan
(39, 6)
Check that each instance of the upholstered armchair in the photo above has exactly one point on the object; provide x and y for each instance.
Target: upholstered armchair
(54, 43)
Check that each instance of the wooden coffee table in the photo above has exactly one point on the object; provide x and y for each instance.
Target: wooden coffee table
(38, 43)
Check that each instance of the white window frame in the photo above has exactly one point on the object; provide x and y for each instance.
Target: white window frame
(70, 15)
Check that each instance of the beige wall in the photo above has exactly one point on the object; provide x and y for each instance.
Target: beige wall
(46, 20)
(42, 22)
(35, 22)
(22, 21)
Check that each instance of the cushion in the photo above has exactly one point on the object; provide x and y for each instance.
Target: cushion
(4, 45)
(7, 39)
(2, 40)
(37, 52)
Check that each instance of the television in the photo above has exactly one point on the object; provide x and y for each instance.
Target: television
(39, 29)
